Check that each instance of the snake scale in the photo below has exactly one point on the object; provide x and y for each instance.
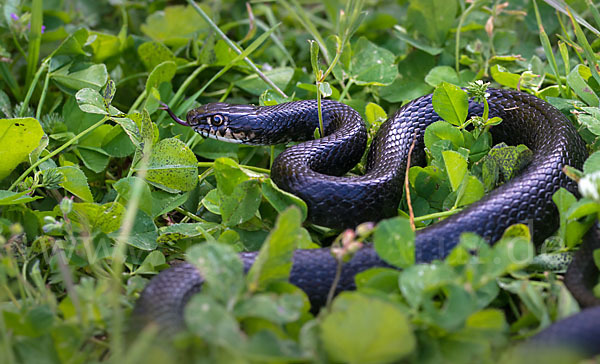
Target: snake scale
(314, 170)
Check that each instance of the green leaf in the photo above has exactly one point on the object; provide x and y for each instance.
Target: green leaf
(90, 101)
(278, 309)
(457, 306)
(583, 42)
(577, 79)
(228, 174)
(268, 346)
(504, 77)
(488, 319)
(163, 72)
(456, 167)
(325, 89)
(417, 43)
(153, 53)
(582, 208)
(510, 159)
(222, 270)
(361, 329)
(143, 233)
(15, 198)
(440, 74)
(172, 166)
(372, 65)
(314, 58)
(274, 262)
(187, 230)
(117, 143)
(130, 128)
(509, 254)
(165, 202)
(18, 138)
(124, 188)
(473, 191)
(76, 78)
(73, 44)
(214, 149)
(274, 100)
(394, 242)
(563, 200)
(104, 46)
(441, 130)
(212, 202)
(374, 113)
(255, 85)
(281, 199)
(451, 103)
(592, 163)
(109, 93)
(208, 319)
(174, 26)
(433, 18)
(591, 122)
(241, 205)
(410, 84)
(75, 182)
(96, 159)
(106, 218)
(151, 262)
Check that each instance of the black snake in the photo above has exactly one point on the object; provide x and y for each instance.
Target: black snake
(314, 170)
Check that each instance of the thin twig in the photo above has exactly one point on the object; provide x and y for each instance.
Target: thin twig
(411, 213)
(336, 280)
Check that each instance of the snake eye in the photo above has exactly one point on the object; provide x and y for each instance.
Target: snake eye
(217, 120)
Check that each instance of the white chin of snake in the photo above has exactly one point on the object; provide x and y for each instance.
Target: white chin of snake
(228, 137)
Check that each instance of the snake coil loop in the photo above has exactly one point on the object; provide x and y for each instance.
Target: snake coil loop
(314, 171)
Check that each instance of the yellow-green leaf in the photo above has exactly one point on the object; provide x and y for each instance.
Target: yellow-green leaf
(172, 166)
(456, 167)
(18, 138)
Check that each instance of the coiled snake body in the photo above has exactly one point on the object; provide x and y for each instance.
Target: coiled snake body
(314, 171)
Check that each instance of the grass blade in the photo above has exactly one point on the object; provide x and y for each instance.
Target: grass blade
(235, 47)
(548, 48)
(565, 9)
(35, 39)
(587, 49)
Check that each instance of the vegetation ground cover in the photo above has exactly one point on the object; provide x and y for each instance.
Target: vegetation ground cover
(100, 190)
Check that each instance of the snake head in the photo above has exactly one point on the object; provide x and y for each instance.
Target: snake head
(226, 122)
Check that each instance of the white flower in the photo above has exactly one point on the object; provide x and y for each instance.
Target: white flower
(589, 186)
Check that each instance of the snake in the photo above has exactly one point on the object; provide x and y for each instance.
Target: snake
(316, 170)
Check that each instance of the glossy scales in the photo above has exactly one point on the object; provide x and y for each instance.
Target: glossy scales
(313, 170)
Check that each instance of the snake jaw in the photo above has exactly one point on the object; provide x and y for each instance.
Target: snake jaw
(220, 121)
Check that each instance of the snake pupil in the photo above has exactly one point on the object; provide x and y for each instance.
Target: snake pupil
(217, 120)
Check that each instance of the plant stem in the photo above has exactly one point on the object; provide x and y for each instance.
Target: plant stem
(38, 112)
(178, 95)
(189, 214)
(35, 38)
(463, 16)
(56, 151)
(252, 168)
(319, 110)
(336, 280)
(436, 215)
(32, 87)
(345, 90)
(235, 48)
(117, 342)
(137, 101)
